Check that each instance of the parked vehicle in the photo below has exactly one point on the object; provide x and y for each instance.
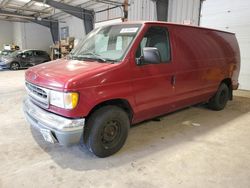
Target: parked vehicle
(24, 59)
(5, 53)
(127, 73)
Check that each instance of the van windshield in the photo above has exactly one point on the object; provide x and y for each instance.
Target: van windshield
(109, 43)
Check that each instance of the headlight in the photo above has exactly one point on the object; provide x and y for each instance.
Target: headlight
(64, 100)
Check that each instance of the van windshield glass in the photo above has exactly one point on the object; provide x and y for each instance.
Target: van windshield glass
(108, 43)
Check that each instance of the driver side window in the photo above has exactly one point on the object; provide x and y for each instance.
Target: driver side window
(156, 37)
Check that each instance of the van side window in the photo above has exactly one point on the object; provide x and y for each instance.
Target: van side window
(156, 37)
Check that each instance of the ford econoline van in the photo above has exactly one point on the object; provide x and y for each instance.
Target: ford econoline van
(126, 73)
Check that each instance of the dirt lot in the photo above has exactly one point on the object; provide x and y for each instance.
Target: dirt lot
(194, 147)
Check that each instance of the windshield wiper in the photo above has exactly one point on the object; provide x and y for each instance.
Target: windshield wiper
(111, 60)
(96, 56)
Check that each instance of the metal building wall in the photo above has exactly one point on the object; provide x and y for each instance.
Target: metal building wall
(138, 10)
(109, 15)
(184, 11)
(142, 10)
(179, 11)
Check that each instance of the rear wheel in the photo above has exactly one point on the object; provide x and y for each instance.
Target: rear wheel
(106, 131)
(219, 100)
(14, 66)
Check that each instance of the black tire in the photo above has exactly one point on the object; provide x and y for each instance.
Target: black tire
(106, 131)
(219, 100)
(14, 66)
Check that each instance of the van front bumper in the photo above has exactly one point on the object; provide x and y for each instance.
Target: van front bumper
(54, 128)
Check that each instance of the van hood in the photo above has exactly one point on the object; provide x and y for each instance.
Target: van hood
(57, 74)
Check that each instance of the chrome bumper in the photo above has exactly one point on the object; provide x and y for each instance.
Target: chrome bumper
(63, 130)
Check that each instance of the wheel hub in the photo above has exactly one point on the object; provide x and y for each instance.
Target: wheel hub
(14, 66)
(110, 132)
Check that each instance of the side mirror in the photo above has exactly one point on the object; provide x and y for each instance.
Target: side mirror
(23, 56)
(151, 55)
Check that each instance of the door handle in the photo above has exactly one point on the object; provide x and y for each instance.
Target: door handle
(173, 80)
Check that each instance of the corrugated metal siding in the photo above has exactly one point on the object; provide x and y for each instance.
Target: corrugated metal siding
(142, 10)
(181, 11)
(109, 15)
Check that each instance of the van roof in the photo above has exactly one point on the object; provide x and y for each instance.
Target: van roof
(176, 24)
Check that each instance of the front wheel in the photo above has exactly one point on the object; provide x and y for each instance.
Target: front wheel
(14, 66)
(106, 131)
(219, 100)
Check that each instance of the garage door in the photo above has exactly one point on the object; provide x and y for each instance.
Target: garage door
(233, 16)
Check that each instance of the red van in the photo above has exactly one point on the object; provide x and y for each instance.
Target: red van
(125, 73)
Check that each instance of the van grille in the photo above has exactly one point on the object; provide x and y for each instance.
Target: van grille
(38, 95)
